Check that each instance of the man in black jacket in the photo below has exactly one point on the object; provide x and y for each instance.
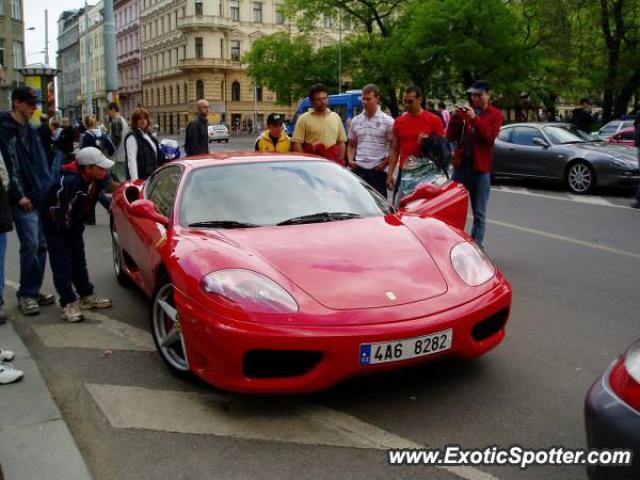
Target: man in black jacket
(29, 181)
(197, 138)
(582, 117)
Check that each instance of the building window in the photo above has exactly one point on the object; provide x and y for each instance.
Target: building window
(279, 15)
(327, 21)
(220, 8)
(258, 93)
(235, 91)
(170, 95)
(235, 10)
(164, 95)
(199, 8)
(158, 96)
(235, 50)
(2, 59)
(199, 47)
(199, 90)
(1, 8)
(16, 9)
(222, 48)
(186, 99)
(257, 12)
(18, 54)
(178, 94)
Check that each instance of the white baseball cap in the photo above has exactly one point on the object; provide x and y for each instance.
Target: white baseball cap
(92, 156)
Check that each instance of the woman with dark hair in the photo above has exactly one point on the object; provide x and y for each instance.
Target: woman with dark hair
(142, 152)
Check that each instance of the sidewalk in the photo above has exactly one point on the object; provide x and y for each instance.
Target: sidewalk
(35, 442)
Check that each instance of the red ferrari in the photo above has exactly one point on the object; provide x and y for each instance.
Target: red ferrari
(282, 273)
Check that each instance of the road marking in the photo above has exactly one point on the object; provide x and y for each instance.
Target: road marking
(100, 332)
(575, 241)
(249, 418)
(567, 197)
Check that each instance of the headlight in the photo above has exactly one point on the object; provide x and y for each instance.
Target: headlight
(471, 264)
(250, 290)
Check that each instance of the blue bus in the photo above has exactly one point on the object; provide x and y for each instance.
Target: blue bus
(347, 105)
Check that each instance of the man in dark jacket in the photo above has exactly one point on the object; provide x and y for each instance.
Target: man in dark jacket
(636, 137)
(66, 208)
(582, 116)
(29, 181)
(475, 129)
(197, 138)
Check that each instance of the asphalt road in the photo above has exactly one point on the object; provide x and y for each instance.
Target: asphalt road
(573, 263)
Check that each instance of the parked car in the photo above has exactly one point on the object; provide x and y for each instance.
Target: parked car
(611, 128)
(264, 278)
(612, 414)
(347, 105)
(218, 133)
(626, 136)
(560, 152)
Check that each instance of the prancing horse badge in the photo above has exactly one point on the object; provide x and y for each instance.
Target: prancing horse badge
(391, 296)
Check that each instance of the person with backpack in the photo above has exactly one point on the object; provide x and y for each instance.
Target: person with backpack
(93, 136)
(370, 134)
(118, 129)
(64, 213)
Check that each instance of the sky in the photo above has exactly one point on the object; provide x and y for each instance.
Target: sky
(34, 17)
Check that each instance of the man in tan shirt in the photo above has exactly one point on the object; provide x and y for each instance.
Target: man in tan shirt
(320, 131)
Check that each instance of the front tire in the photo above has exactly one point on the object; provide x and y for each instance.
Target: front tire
(581, 177)
(167, 331)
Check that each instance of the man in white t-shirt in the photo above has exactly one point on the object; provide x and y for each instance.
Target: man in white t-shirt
(369, 136)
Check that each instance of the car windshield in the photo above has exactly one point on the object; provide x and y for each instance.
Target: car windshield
(566, 134)
(270, 193)
(611, 127)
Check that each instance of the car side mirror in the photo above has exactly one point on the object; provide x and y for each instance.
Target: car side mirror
(424, 191)
(147, 209)
(540, 142)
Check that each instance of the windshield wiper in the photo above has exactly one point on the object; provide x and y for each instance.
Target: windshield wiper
(223, 224)
(320, 217)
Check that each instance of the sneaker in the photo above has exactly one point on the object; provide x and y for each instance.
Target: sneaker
(71, 312)
(9, 373)
(6, 355)
(3, 315)
(635, 204)
(92, 301)
(45, 299)
(28, 306)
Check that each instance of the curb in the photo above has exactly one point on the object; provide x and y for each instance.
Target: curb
(35, 442)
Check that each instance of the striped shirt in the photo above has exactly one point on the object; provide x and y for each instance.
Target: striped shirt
(372, 135)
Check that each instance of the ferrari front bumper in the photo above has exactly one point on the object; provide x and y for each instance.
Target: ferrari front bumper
(218, 348)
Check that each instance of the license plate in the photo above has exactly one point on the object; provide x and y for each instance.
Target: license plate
(396, 350)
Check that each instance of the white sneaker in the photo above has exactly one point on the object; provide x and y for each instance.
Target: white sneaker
(92, 301)
(9, 374)
(71, 312)
(6, 355)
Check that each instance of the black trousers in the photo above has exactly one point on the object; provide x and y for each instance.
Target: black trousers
(68, 263)
(376, 178)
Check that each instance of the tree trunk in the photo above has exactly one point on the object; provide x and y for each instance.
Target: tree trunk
(622, 102)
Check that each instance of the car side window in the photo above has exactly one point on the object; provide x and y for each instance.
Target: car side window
(627, 135)
(525, 136)
(162, 188)
(505, 134)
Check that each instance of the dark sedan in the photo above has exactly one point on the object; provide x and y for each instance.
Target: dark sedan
(612, 414)
(561, 152)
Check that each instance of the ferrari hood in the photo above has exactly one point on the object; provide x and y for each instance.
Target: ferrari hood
(352, 264)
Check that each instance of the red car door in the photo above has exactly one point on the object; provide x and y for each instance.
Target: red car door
(146, 236)
(425, 190)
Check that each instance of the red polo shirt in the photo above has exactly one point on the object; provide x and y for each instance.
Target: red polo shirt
(408, 127)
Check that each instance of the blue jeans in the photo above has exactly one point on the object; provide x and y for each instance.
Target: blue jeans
(3, 251)
(478, 185)
(33, 251)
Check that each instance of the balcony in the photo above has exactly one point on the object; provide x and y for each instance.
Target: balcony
(205, 22)
(207, 63)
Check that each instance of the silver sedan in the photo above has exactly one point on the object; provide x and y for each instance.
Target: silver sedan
(561, 152)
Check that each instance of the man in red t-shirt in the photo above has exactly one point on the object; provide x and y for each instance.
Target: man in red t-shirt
(409, 130)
